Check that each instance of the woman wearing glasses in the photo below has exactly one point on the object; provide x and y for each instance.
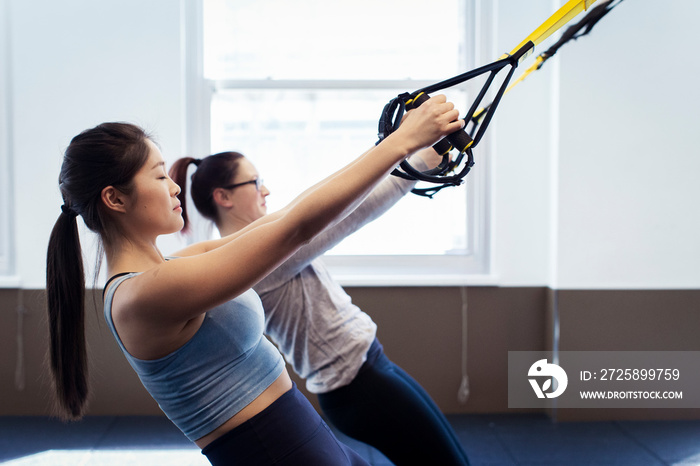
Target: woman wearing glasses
(191, 327)
(328, 340)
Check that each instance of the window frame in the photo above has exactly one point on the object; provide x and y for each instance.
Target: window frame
(471, 268)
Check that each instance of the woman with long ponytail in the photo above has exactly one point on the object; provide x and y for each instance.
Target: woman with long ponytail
(190, 324)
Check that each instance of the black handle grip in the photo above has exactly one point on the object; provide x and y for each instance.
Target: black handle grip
(459, 139)
(414, 101)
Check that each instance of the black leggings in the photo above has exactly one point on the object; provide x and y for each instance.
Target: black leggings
(289, 432)
(386, 408)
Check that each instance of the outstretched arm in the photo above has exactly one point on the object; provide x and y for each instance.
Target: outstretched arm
(379, 201)
(179, 290)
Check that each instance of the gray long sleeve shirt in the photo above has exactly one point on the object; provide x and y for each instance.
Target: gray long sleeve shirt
(318, 329)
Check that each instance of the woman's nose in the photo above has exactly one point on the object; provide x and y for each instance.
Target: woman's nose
(176, 188)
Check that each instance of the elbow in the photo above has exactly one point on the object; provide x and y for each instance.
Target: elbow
(305, 233)
(301, 229)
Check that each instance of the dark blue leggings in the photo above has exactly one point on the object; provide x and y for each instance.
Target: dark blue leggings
(289, 432)
(386, 408)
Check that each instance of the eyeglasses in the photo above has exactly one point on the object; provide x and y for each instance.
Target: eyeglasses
(258, 182)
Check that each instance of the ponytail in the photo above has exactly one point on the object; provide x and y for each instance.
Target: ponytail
(178, 173)
(65, 286)
(109, 154)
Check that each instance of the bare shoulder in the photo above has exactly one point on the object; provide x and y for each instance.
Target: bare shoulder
(145, 332)
(143, 296)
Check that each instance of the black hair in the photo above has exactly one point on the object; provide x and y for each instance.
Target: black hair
(108, 155)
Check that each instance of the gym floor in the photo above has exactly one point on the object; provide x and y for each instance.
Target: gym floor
(498, 439)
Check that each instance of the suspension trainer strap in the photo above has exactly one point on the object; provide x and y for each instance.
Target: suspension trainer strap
(465, 141)
(562, 16)
(573, 32)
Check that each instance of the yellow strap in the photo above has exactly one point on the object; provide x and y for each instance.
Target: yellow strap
(562, 16)
(534, 67)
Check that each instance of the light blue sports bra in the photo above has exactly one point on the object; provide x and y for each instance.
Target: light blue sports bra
(220, 370)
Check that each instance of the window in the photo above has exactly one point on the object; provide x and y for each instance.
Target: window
(298, 88)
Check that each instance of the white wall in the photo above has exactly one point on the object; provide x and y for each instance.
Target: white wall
(7, 269)
(75, 64)
(522, 159)
(600, 196)
(597, 161)
(629, 161)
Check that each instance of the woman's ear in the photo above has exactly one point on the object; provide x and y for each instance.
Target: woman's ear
(222, 197)
(113, 199)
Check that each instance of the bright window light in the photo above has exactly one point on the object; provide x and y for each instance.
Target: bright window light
(298, 88)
